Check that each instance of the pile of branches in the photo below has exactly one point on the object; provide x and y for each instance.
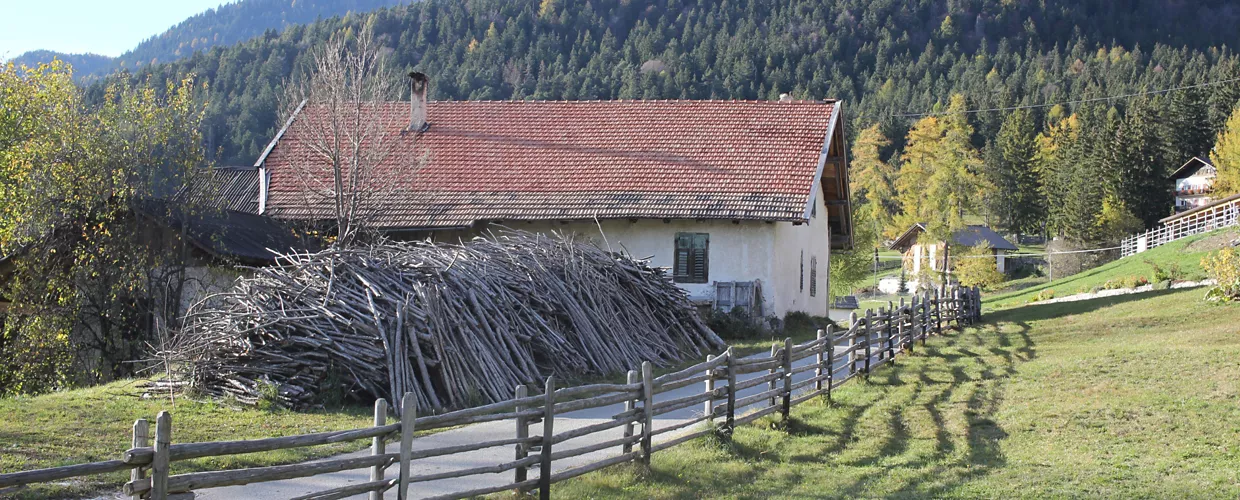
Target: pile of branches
(458, 325)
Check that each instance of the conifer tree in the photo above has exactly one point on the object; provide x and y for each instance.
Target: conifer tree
(1017, 201)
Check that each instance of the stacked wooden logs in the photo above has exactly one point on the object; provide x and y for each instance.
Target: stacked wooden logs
(458, 325)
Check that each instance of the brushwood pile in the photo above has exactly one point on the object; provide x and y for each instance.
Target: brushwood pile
(456, 324)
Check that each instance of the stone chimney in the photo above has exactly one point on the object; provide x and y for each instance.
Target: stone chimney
(418, 82)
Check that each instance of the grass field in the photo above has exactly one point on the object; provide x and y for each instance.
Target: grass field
(94, 424)
(1185, 253)
(1121, 397)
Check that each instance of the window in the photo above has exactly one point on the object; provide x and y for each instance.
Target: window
(813, 276)
(802, 270)
(692, 254)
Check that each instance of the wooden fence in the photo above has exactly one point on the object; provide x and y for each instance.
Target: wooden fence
(871, 340)
(1223, 213)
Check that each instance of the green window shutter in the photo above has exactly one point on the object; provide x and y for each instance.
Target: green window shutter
(692, 254)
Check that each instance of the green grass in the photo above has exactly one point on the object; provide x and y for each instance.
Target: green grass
(1120, 397)
(1185, 253)
(95, 424)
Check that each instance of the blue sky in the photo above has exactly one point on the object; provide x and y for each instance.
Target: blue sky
(107, 27)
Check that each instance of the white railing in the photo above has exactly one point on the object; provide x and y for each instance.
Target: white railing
(1204, 219)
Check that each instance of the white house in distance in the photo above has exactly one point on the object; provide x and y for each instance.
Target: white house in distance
(916, 249)
(1194, 184)
(719, 192)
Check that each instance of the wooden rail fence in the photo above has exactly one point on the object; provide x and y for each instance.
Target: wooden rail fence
(1224, 213)
(870, 341)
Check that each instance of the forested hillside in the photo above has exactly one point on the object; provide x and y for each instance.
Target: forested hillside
(224, 25)
(1100, 166)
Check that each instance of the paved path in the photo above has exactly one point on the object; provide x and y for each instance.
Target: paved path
(488, 431)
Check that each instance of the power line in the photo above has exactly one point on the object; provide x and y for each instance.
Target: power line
(1078, 101)
(1008, 256)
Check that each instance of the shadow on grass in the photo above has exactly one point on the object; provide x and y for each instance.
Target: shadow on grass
(1037, 312)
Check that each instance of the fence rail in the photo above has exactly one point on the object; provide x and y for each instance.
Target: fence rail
(1225, 213)
(870, 341)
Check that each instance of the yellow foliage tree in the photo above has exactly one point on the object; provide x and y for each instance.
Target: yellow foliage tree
(1226, 157)
(977, 267)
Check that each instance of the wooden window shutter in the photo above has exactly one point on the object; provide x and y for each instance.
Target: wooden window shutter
(813, 276)
(692, 258)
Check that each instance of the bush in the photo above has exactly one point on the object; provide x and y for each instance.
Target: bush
(735, 324)
(1224, 268)
(1171, 272)
(1135, 281)
(801, 322)
(977, 267)
(1044, 295)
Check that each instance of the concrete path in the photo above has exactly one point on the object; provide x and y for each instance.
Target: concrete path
(482, 458)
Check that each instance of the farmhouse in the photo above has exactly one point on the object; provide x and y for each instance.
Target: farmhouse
(916, 250)
(1194, 184)
(733, 197)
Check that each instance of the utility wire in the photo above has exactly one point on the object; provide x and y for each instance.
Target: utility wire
(900, 257)
(1078, 101)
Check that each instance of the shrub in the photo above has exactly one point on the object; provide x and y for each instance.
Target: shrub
(797, 321)
(735, 324)
(977, 268)
(1224, 268)
(1044, 295)
(1171, 272)
(1135, 281)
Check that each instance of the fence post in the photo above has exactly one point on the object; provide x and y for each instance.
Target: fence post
(977, 303)
(830, 360)
(770, 384)
(378, 445)
(160, 462)
(544, 468)
(852, 343)
(787, 402)
(925, 317)
(869, 329)
(710, 389)
(647, 409)
(629, 406)
(818, 359)
(408, 415)
(893, 316)
(141, 434)
(523, 431)
(938, 312)
(731, 418)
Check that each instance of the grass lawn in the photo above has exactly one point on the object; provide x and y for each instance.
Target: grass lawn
(95, 424)
(1122, 397)
(1185, 253)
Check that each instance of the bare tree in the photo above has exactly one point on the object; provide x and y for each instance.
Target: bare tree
(343, 115)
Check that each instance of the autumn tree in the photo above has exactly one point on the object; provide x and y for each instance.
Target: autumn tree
(872, 180)
(1226, 157)
(87, 287)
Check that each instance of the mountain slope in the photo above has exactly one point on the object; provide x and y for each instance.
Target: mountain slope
(224, 25)
(883, 57)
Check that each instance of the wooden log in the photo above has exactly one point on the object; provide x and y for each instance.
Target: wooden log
(830, 359)
(708, 410)
(592, 428)
(585, 469)
(591, 390)
(64, 472)
(685, 372)
(474, 471)
(522, 486)
(160, 462)
(852, 342)
(818, 359)
(523, 432)
(759, 380)
(141, 431)
(378, 446)
(216, 479)
(697, 379)
(373, 487)
(681, 439)
(750, 417)
(786, 400)
(869, 333)
(730, 422)
(593, 402)
(582, 450)
(776, 363)
(630, 406)
(186, 451)
(647, 409)
(408, 419)
(681, 425)
(544, 473)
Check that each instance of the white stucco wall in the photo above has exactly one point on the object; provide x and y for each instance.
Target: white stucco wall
(812, 238)
(738, 251)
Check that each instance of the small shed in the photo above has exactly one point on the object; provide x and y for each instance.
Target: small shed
(915, 250)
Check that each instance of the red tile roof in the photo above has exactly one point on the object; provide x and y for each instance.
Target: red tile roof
(562, 160)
